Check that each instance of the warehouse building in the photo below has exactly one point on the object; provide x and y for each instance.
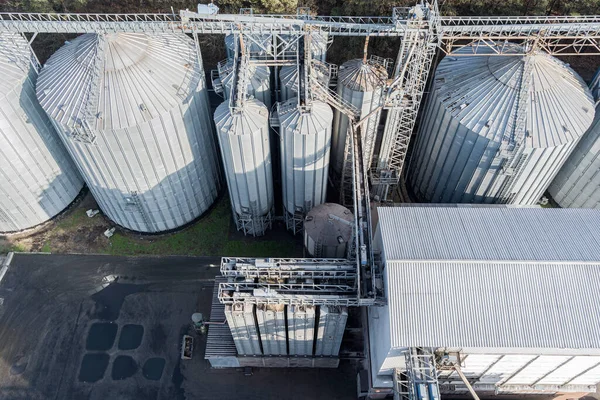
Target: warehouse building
(506, 296)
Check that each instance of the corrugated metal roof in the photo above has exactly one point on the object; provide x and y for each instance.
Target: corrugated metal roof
(482, 93)
(490, 234)
(490, 305)
(511, 278)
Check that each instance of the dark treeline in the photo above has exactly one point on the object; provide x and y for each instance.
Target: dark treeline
(342, 49)
(324, 7)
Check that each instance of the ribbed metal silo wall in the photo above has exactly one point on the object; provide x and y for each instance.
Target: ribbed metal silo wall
(458, 155)
(578, 182)
(38, 180)
(330, 330)
(305, 137)
(244, 141)
(301, 330)
(365, 101)
(242, 323)
(153, 165)
(271, 325)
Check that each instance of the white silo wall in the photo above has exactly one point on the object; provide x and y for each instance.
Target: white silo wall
(242, 323)
(271, 325)
(361, 84)
(259, 85)
(330, 330)
(244, 140)
(152, 166)
(578, 182)
(327, 231)
(305, 138)
(469, 114)
(38, 180)
(301, 329)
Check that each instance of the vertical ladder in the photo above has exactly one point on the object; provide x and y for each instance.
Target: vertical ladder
(85, 131)
(138, 204)
(514, 143)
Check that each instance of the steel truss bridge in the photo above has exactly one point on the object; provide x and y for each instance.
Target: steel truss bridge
(423, 33)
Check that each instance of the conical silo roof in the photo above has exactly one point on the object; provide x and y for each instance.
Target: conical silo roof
(251, 119)
(362, 76)
(141, 77)
(306, 122)
(482, 93)
(14, 61)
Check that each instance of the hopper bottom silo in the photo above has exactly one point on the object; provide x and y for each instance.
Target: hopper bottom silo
(245, 149)
(305, 139)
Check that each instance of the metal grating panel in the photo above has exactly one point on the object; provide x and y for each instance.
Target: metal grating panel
(219, 341)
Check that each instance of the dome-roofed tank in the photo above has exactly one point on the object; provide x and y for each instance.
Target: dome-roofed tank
(258, 81)
(328, 230)
(133, 112)
(305, 138)
(465, 151)
(578, 181)
(244, 140)
(362, 84)
(38, 180)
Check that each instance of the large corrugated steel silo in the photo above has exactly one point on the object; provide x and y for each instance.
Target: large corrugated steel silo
(133, 112)
(259, 85)
(38, 180)
(305, 137)
(362, 84)
(578, 181)
(464, 150)
(245, 149)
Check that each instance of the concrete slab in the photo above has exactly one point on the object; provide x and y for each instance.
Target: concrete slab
(51, 302)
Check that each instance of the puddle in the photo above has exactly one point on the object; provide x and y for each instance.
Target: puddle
(101, 336)
(110, 299)
(131, 337)
(93, 367)
(153, 368)
(123, 367)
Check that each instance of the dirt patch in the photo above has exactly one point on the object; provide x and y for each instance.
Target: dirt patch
(70, 232)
